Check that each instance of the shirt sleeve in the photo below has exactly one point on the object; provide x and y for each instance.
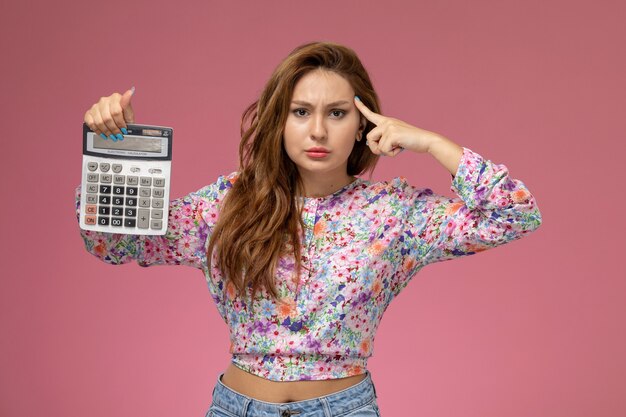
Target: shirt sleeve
(190, 221)
(490, 209)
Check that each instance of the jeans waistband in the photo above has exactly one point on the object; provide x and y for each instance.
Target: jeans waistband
(341, 402)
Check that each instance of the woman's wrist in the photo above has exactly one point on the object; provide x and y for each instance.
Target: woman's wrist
(446, 152)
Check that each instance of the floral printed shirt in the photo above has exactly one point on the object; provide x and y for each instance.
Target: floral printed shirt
(362, 246)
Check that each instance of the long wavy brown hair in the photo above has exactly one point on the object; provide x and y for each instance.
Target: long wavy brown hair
(260, 219)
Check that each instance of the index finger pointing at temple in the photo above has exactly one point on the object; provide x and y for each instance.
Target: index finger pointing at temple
(369, 115)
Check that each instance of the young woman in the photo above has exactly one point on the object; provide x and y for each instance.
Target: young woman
(301, 255)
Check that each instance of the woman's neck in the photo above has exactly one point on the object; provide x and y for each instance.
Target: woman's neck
(322, 187)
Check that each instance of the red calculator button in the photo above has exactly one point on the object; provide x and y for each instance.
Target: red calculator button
(91, 209)
(90, 220)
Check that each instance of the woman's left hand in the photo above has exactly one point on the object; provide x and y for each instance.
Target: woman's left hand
(391, 136)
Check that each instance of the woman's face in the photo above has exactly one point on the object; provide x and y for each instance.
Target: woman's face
(322, 115)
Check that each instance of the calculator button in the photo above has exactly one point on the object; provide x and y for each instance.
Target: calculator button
(159, 182)
(130, 201)
(92, 166)
(155, 171)
(104, 166)
(118, 201)
(157, 214)
(145, 181)
(104, 199)
(104, 210)
(131, 190)
(117, 168)
(132, 180)
(157, 203)
(90, 220)
(105, 189)
(129, 222)
(143, 221)
(158, 193)
(116, 221)
(135, 169)
(130, 212)
(90, 209)
(118, 190)
(92, 188)
(144, 202)
(117, 211)
(106, 178)
(144, 192)
(156, 224)
(103, 221)
(119, 179)
(92, 177)
(92, 199)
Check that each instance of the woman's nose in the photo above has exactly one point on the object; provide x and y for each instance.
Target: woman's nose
(318, 128)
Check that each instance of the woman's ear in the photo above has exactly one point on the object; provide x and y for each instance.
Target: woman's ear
(362, 123)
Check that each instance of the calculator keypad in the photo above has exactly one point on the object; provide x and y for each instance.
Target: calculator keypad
(124, 201)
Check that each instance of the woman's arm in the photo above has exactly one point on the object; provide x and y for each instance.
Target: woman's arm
(491, 209)
(190, 221)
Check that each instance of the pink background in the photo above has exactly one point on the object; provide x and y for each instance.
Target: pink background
(534, 328)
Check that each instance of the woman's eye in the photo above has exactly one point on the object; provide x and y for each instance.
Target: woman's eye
(300, 112)
(338, 113)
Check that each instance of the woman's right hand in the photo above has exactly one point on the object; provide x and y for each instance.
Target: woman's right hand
(108, 117)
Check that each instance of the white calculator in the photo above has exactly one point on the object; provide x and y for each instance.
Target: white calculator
(126, 184)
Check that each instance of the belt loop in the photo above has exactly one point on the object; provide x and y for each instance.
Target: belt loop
(326, 407)
(244, 408)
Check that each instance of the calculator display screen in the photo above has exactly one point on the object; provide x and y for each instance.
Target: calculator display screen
(142, 147)
(131, 143)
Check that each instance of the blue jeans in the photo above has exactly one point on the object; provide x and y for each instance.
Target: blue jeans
(359, 400)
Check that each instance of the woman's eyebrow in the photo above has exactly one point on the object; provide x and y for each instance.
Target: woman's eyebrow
(334, 103)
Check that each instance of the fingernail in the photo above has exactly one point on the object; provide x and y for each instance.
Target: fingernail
(358, 98)
(113, 137)
(133, 90)
(103, 136)
(119, 137)
(124, 131)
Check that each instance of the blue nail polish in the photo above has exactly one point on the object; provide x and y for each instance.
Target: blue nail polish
(103, 136)
(124, 131)
(119, 137)
(358, 98)
(113, 137)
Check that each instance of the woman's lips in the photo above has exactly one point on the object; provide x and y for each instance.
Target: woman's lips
(317, 153)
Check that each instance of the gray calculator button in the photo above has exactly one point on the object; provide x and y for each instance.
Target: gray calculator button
(92, 188)
(144, 202)
(106, 178)
(117, 168)
(92, 166)
(92, 199)
(143, 219)
(135, 169)
(156, 224)
(157, 203)
(146, 181)
(157, 214)
(132, 180)
(92, 177)
(157, 192)
(144, 192)
(119, 179)
(155, 171)
(105, 166)
(159, 182)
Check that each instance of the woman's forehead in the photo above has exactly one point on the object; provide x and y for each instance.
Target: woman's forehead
(321, 86)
